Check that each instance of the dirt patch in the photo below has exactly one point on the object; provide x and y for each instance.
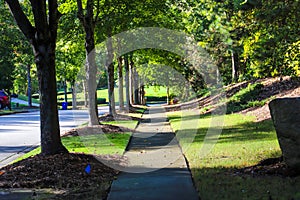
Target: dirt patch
(270, 166)
(79, 175)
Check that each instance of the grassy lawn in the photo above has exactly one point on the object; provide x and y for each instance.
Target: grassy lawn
(156, 91)
(3, 112)
(100, 144)
(25, 98)
(151, 91)
(122, 123)
(242, 143)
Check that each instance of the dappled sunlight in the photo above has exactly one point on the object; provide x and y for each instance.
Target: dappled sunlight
(224, 183)
(243, 143)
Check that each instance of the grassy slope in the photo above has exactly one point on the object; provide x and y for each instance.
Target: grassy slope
(242, 143)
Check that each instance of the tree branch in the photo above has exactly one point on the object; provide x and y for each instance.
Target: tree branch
(21, 19)
(80, 11)
(54, 16)
(40, 18)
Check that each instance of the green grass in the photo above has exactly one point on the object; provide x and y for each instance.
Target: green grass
(155, 94)
(100, 144)
(14, 109)
(25, 98)
(109, 143)
(123, 123)
(246, 98)
(242, 143)
(155, 91)
(101, 94)
(4, 112)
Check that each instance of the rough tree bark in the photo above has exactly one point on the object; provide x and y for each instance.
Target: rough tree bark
(134, 82)
(42, 37)
(120, 74)
(74, 100)
(136, 87)
(29, 86)
(88, 23)
(65, 91)
(235, 66)
(127, 85)
(110, 76)
(85, 93)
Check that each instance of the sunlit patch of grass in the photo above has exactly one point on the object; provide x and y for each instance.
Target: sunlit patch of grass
(156, 91)
(100, 144)
(243, 142)
(25, 98)
(131, 124)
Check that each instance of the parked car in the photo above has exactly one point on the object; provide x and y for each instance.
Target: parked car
(4, 100)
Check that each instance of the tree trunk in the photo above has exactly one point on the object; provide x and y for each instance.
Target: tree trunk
(50, 132)
(168, 95)
(120, 74)
(136, 87)
(110, 77)
(131, 79)
(142, 95)
(134, 82)
(65, 91)
(85, 93)
(235, 66)
(43, 40)
(88, 24)
(96, 104)
(74, 101)
(127, 85)
(91, 86)
(29, 86)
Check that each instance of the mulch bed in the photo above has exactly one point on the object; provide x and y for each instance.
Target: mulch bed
(98, 129)
(102, 128)
(61, 172)
(68, 172)
(271, 166)
(118, 117)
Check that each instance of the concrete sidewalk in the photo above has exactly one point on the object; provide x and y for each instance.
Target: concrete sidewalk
(156, 167)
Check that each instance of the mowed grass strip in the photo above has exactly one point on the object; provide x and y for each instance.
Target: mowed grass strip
(242, 143)
(100, 144)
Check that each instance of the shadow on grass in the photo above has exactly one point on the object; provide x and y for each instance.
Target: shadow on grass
(224, 183)
(189, 117)
(242, 132)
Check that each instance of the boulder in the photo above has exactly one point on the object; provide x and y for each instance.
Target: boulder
(285, 114)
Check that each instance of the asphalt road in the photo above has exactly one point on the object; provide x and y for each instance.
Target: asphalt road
(20, 133)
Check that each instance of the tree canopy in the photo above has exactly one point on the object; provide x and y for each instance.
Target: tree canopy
(246, 39)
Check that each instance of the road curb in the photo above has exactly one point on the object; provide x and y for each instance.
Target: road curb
(19, 111)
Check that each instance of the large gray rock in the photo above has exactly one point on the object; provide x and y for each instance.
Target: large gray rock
(285, 114)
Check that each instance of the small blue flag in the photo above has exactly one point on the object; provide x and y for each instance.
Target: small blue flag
(88, 169)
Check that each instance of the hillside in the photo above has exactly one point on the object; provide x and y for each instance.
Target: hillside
(248, 97)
